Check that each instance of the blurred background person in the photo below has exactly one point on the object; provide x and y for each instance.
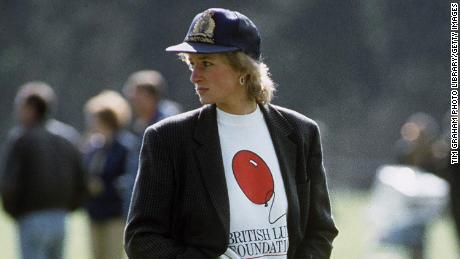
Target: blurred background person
(105, 158)
(43, 178)
(144, 90)
(414, 148)
(46, 92)
(451, 172)
(413, 155)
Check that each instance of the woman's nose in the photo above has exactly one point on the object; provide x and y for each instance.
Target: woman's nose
(195, 76)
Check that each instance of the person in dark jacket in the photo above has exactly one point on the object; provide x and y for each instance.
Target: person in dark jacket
(42, 181)
(46, 92)
(238, 177)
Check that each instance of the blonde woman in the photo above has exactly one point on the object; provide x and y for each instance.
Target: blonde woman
(238, 177)
(105, 157)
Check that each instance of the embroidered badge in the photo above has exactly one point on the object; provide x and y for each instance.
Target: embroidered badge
(203, 30)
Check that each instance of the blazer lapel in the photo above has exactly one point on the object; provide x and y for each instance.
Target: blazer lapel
(209, 157)
(284, 141)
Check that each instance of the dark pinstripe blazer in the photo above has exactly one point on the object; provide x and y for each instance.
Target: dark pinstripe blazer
(180, 205)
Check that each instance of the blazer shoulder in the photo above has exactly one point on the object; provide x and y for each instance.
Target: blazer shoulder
(295, 118)
(175, 127)
(175, 121)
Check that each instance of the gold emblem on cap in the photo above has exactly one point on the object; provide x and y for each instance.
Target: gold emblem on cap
(203, 30)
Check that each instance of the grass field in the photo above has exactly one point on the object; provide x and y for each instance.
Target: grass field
(353, 241)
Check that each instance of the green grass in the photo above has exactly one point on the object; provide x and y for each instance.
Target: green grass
(349, 209)
(76, 243)
(355, 238)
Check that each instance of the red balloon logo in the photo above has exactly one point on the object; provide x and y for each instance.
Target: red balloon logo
(253, 176)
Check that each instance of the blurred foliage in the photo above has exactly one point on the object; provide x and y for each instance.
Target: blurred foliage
(358, 67)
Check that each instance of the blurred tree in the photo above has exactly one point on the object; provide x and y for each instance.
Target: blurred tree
(360, 67)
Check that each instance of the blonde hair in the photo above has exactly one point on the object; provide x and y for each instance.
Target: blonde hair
(107, 102)
(257, 78)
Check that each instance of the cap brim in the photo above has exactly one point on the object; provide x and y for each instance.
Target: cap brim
(197, 47)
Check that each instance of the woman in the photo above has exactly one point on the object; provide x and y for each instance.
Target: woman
(238, 177)
(105, 157)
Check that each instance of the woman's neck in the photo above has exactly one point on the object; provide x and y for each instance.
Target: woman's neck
(239, 108)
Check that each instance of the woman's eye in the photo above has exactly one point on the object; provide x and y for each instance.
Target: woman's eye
(207, 63)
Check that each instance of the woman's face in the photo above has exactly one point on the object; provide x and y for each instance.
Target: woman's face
(216, 81)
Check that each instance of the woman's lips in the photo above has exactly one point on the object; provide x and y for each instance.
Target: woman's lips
(201, 90)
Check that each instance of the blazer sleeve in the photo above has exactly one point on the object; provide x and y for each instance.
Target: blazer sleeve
(320, 230)
(148, 233)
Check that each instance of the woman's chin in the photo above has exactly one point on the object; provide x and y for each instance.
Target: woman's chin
(204, 101)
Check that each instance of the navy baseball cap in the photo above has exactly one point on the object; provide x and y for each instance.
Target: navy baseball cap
(219, 30)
